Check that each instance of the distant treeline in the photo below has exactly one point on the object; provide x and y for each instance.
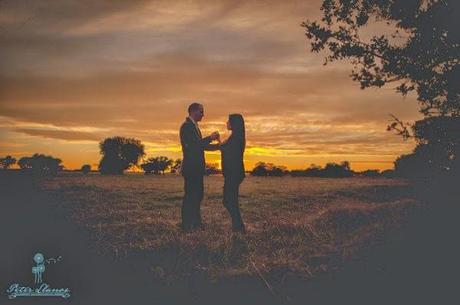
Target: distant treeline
(330, 170)
(120, 154)
(43, 165)
(37, 164)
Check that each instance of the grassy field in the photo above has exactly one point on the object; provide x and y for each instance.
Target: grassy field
(296, 226)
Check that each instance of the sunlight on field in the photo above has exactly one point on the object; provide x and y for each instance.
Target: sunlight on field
(295, 225)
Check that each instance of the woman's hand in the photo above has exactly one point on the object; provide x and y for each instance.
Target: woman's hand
(215, 135)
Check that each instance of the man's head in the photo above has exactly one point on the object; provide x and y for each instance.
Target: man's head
(196, 111)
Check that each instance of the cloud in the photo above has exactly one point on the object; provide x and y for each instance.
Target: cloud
(60, 134)
(81, 37)
(75, 71)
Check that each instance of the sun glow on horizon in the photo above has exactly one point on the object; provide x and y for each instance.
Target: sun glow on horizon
(132, 69)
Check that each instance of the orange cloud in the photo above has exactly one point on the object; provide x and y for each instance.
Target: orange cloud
(131, 68)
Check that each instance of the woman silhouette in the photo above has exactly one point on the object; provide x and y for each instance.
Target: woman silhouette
(232, 151)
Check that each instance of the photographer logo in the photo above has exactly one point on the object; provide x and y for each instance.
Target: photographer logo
(41, 288)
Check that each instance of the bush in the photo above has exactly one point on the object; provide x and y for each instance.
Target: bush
(85, 169)
(263, 169)
(7, 162)
(157, 165)
(40, 164)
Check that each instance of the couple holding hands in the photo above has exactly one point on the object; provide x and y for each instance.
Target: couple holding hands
(193, 167)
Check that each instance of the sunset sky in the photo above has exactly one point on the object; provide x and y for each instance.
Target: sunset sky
(75, 72)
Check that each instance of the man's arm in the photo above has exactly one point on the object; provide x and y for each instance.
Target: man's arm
(205, 141)
(190, 138)
(214, 136)
(212, 147)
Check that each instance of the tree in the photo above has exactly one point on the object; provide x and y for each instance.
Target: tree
(370, 173)
(269, 169)
(438, 140)
(420, 54)
(437, 151)
(164, 163)
(334, 170)
(426, 61)
(388, 173)
(212, 169)
(313, 171)
(156, 165)
(149, 166)
(85, 169)
(412, 166)
(346, 165)
(261, 169)
(119, 153)
(40, 164)
(278, 171)
(331, 170)
(6, 162)
(176, 166)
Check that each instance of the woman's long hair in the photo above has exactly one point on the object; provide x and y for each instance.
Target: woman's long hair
(238, 131)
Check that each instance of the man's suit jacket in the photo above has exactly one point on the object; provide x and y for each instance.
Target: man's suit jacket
(193, 147)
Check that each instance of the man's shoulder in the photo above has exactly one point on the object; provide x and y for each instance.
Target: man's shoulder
(187, 127)
(186, 123)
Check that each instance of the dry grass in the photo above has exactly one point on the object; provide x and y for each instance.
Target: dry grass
(300, 226)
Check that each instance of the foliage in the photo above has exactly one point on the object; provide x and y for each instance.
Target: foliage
(337, 170)
(331, 170)
(157, 165)
(6, 162)
(176, 166)
(388, 173)
(212, 169)
(438, 149)
(268, 169)
(420, 54)
(371, 173)
(85, 169)
(41, 165)
(119, 153)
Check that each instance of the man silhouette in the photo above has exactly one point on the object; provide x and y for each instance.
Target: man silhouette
(193, 166)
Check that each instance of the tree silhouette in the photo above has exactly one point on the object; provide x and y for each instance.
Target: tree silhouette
(118, 154)
(331, 170)
(388, 173)
(164, 163)
(335, 170)
(314, 171)
(278, 171)
(371, 173)
(421, 54)
(85, 169)
(437, 151)
(412, 166)
(6, 162)
(260, 169)
(149, 166)
(438, 141)
(268, 169)
(40, 164)
(426, 61)
(156, 165)
(176, 166)
(212, 169)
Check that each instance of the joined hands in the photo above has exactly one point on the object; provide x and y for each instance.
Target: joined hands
(215, 136)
